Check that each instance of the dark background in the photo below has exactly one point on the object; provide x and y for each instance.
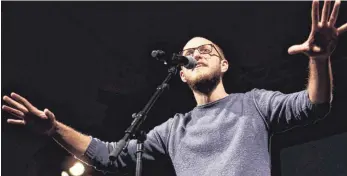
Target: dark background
(89, 63)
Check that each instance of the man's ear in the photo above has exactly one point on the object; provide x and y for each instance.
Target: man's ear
(224, 65)
(183, 78)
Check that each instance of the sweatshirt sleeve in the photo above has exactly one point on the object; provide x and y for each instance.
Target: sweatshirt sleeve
(285, 111)
(155, 149)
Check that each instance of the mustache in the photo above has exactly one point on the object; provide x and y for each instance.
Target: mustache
(201, 63)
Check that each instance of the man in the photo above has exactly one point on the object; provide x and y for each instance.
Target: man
(225, 134)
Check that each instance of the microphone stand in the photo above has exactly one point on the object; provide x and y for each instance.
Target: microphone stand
(133, 131)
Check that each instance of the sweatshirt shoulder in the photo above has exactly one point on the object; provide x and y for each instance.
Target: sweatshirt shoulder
(257, 93)
(251, 94)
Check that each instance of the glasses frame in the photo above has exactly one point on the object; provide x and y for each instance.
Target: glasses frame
(197, 48)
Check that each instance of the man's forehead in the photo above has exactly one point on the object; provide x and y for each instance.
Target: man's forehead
(196, 41)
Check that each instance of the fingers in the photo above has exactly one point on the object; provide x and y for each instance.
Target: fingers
(15, 104)
(16, 122)
(342, 29)
(295, 49)
(315, 13)
(24, 101)
(325, 11)
(13, 111)
(334, 13)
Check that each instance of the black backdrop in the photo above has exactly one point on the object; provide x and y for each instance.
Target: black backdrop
(89, 62)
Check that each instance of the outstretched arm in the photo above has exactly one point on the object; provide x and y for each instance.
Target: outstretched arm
(44, 122)
(285, 111)
(319, 47)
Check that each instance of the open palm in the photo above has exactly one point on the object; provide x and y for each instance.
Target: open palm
(28, 115)
(323, 37)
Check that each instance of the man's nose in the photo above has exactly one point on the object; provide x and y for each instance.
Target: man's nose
(197, 55)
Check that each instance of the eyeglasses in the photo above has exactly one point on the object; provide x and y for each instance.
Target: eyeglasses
(203, 49)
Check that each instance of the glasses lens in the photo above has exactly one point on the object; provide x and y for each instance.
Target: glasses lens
(187, 52)
(205, 49)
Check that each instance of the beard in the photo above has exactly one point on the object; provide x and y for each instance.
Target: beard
(205, 83)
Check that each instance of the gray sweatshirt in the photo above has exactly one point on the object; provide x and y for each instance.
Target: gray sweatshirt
(226, 137)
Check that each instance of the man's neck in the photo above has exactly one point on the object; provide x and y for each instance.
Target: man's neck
(217, 94)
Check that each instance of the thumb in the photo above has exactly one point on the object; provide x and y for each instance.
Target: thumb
(295, 49)
(49, 114)
(51, 117)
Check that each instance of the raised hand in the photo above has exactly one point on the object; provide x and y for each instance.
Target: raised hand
(323, 37)
(28, 115)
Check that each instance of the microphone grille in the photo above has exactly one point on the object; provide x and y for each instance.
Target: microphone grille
(157, 53)
(191, 62)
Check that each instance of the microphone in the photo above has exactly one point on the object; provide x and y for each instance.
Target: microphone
(188, 62)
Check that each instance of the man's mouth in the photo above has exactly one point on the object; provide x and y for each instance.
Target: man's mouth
(199, 65)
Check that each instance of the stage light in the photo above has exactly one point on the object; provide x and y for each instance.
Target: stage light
(77, 169)
(64, 173)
